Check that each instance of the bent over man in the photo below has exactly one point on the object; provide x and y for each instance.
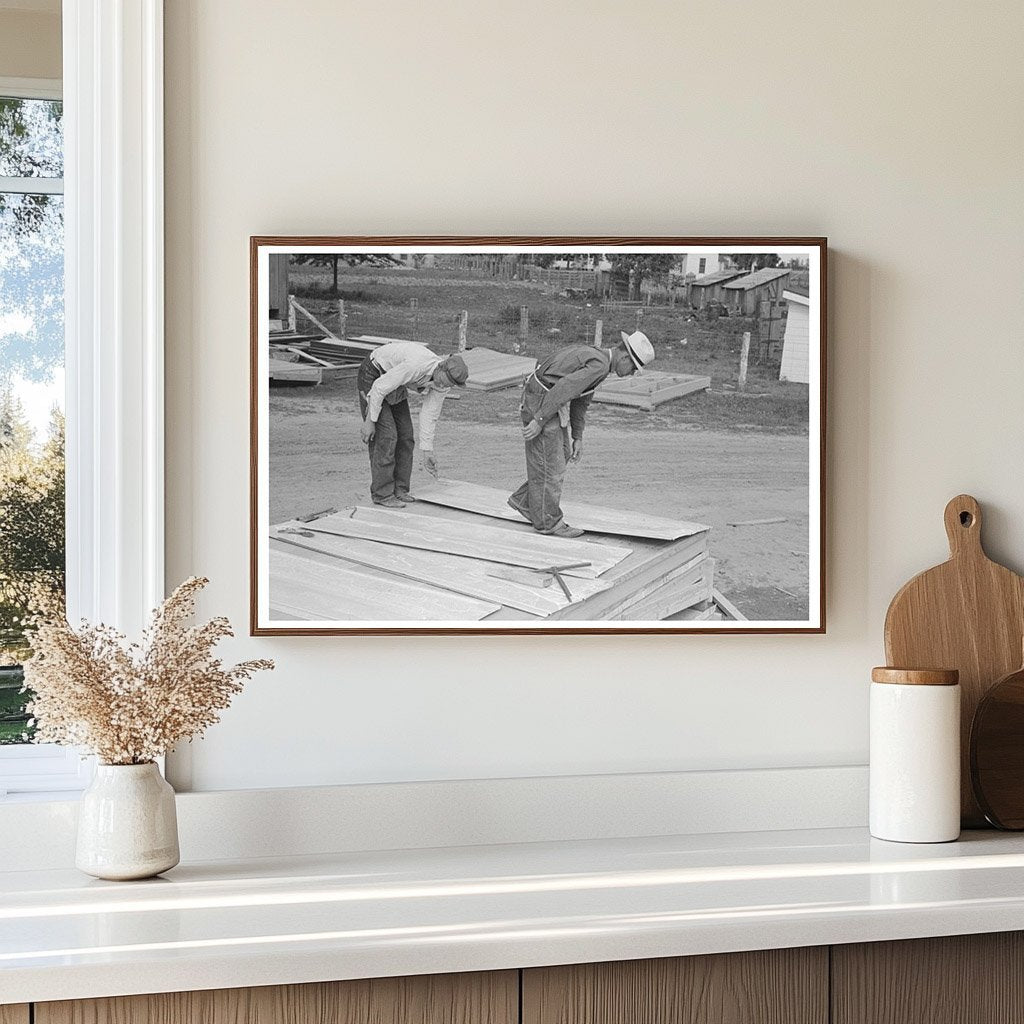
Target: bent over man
(555, 401)
(385, 378)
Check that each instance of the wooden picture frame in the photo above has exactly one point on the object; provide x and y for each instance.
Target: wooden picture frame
(339, 560)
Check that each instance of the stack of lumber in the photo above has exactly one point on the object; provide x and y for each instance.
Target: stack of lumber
(649, 389)
(491, 371)
(461, 555)
(286, 372)
(350, 350)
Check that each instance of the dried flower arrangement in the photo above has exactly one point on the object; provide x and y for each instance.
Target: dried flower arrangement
(130, 703)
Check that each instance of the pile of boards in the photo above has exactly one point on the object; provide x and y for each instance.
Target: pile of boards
(491, 371)
(349, 350)
(460, 554)
(649, 389)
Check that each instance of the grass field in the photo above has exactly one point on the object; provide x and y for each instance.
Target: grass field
(378, 302)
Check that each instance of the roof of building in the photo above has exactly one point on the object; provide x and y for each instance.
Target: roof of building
(716, 278)
(796, 296)
(758, 278)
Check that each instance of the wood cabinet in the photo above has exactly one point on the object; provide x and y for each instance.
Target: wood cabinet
(491, 998)
(968, 979)
(778, 986)
(962, 979)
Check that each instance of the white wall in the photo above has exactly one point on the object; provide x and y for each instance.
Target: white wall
(30, 41)
(895, 129)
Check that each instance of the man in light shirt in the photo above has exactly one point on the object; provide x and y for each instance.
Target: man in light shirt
(385, 378)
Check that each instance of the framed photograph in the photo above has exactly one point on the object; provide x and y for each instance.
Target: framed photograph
(537, 435)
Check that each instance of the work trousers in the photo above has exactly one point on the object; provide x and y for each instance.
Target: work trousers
(393, 444)
(539, 498)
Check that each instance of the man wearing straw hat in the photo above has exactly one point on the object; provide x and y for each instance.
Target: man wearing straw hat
(554, 412)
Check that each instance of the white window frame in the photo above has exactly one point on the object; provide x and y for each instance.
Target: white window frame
(114, 264)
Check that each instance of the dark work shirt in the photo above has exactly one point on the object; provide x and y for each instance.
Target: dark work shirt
(571, 374)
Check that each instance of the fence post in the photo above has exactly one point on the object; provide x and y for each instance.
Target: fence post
(342, 318)
(292, 323)
(744, 354)
(463, 329)
(639, 317)
(598, 331)
(524, 329)
(413, 303)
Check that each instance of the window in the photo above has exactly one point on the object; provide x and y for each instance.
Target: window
(702, 265)
(32, 548)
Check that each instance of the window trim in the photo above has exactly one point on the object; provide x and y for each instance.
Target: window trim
(114, 347)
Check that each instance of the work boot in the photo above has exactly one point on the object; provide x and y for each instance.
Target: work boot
(566, 531)
(405, 497)
(389, 502)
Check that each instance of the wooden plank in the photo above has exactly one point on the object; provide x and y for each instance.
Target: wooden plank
(312, 591)
(679, 580)
(960, 979)
(469, 576)
(488, 543)
(285, 371)
(682, 592)
(645, 566)
(727, 607)
(775, 986)
(14, 1014)
(490, 370)
(649, 394)
(491, 997)
(489, 501)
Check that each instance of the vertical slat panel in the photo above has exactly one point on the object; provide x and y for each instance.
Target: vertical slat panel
(961, 979)
(14, 1014)
(784, 986)
(481, 998)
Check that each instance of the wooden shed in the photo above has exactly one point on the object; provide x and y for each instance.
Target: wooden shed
(744, 295)
(709, 287)
(278, 266)
(796, 345)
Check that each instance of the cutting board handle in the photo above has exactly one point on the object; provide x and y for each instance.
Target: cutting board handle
(963, 527)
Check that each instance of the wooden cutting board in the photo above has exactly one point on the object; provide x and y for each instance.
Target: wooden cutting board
(967, 614)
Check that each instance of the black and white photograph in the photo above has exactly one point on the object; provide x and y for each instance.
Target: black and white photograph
(537, 435)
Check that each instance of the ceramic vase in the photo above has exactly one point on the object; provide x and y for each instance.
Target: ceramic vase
(127, 825)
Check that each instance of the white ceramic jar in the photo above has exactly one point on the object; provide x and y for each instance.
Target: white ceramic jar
(127, 823)
(915, 755)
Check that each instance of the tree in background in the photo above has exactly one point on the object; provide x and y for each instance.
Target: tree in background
(32, 549)
(636, 267)
(333, 260)
(754, 260)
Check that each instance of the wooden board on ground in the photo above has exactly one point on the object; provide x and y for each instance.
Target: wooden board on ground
(649, 389)
(490, 370)
(489, 501)
(468, 576)
(483, 541)
(294, 373)
(310, 591)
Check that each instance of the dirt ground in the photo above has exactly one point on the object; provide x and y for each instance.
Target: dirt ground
(632, 460)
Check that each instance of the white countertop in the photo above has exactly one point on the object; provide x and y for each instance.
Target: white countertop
(351, 915)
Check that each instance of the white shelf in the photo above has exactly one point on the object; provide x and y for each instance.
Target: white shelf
(354, 915)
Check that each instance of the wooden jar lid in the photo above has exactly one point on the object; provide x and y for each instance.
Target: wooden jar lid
(916, 676)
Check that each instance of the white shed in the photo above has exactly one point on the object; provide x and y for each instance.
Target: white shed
(796, 343)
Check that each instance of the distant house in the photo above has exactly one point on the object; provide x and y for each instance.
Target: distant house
(697, 264)
(709, 287)
(796, 345)
(744, 295)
